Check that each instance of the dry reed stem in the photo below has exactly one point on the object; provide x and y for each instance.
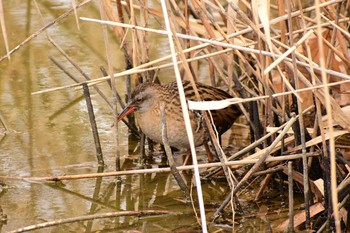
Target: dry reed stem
(74, 6)
(301, 126)
(90, 217)
(340, 205)
(333, 177)
(3, 28)
(186, 117)
(154, 170)
(113, 85)
(200, 10)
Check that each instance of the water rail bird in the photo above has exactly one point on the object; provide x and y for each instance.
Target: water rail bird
(145, 102)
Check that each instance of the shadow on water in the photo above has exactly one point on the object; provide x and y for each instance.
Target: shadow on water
(50, 135)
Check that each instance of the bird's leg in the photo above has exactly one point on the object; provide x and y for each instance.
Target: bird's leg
(188, 158)
(209, 154)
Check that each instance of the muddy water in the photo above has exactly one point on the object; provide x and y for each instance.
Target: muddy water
(50, 134)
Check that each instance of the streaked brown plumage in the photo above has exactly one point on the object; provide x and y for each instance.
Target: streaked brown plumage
(146, 99)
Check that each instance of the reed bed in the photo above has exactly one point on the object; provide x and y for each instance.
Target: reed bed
(287, 64)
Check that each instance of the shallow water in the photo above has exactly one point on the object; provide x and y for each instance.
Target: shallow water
(50, 134)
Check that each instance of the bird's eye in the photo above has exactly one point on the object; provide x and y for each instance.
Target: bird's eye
(138, 99)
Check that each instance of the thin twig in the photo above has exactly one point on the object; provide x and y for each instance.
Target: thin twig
(290, 197)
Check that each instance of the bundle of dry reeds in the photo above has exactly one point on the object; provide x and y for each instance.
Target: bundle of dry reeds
(287, 61)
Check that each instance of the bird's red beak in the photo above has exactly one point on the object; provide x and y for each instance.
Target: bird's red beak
(126, 111)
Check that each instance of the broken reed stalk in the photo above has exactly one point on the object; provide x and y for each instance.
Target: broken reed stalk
(184, 18)
(90, 108)
(87, 98)
(186, 116)
(91, 217)
(179, 179)
(264, 38)
(324, 155)
(76, 14)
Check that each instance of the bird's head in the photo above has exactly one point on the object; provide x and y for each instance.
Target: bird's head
(142, 100)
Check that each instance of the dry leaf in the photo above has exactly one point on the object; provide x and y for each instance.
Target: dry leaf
(339, 92)
(300, 217)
